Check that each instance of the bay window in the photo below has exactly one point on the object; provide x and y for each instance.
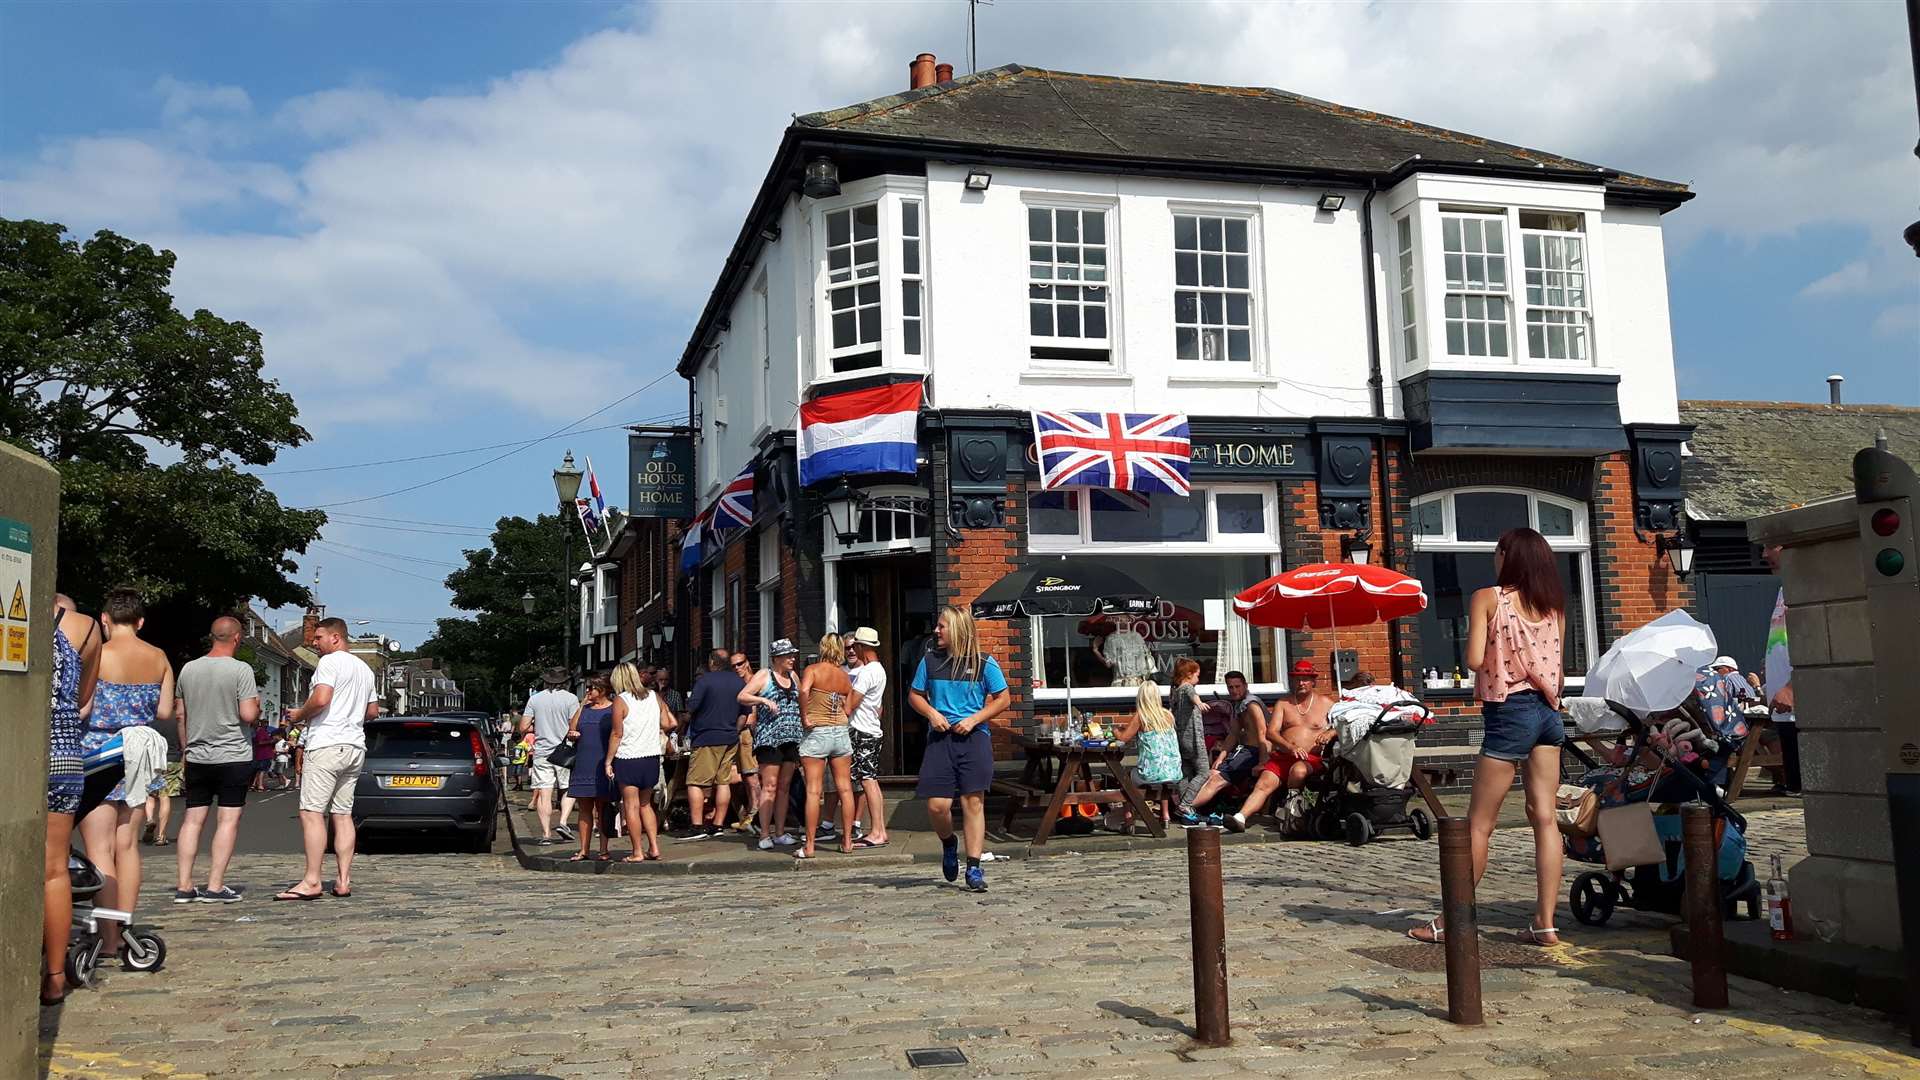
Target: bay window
(1068, 295)
(1213, 302)
(1474, 245)
(1455, 533)
(1409, 324)
(1195, 553)
(870, 249)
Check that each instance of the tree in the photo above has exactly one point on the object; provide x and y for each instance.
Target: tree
(100, 373)
(499, 650)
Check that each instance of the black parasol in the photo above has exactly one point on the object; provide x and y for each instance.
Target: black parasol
(1064, 587)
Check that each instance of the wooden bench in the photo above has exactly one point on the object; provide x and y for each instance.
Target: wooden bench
(1752, 755)
(1020, 797)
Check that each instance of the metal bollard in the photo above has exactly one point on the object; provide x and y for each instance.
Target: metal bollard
(1463, 929)
(1209, 937)
(1705, 943)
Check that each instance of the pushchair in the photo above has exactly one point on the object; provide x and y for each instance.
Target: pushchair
(1646, 772)
(1368, 782)
(143, 949)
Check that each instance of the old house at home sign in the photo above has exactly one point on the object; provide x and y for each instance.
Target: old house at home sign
(660, 474)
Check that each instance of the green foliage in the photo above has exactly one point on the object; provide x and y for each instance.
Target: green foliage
(499, 650)
(97, 370)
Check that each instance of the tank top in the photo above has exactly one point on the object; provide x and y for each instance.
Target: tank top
(827, 709)
(774, 727)
(640, 732)
(1521, 655)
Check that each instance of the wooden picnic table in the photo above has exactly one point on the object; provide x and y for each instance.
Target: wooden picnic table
(1061, 766)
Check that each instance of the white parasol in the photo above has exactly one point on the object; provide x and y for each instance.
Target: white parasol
(1654, 668)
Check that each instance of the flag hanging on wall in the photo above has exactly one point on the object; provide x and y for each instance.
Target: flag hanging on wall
(690, 541)
(860, 431)
(734, 510)
(1142, 452)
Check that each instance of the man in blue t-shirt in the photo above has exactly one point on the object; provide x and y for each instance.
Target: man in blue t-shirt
(713, 731)
(958, 691)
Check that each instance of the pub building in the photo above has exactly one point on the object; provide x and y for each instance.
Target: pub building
(1389, 341)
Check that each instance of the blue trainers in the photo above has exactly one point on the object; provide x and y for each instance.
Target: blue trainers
(976, 879)
(950, 857)
(1186, 819)
(1216, 820)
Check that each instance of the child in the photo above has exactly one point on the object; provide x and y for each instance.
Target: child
(1158, 767)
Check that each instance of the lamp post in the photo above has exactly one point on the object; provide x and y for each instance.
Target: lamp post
(566, 484)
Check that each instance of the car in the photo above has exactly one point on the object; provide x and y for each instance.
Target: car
(429, 774)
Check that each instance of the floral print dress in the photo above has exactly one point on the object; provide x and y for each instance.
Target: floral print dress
(776, 727)
(117, 706)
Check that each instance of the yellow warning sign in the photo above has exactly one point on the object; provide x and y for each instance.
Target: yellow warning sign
(16, 569)
(18, 609)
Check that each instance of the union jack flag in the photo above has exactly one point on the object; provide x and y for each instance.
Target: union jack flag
(1123, 451)
(735, 508)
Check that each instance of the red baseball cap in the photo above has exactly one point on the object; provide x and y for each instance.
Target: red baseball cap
(1304, 669)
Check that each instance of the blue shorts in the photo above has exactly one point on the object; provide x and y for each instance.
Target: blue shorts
(1517, 725)
(637, 772)
(952, 767)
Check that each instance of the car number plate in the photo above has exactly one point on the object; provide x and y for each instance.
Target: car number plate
(415, 781)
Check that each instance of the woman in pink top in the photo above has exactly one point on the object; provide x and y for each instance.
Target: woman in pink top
(1513, 647)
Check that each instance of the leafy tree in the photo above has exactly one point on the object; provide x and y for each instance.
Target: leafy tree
(101, 374)
(498, 652)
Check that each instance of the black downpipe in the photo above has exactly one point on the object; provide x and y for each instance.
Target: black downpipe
(1377, 390)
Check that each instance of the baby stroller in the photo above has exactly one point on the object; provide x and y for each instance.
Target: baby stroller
(1645, 770)
(1368, 781)
(142, 949)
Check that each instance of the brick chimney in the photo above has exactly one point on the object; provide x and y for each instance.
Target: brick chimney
(943, 73)
(921, 72)
(309, 625)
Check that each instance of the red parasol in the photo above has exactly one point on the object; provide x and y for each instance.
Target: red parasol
(1327, 595)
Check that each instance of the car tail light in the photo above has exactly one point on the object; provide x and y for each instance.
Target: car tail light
(479, 754)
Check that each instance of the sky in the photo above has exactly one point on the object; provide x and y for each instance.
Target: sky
(480, 224)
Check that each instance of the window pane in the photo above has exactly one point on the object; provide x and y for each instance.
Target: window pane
(1236, 271)
(1450, 234)
(1186, 232)
(1095, 224)
(1484, 515)
(910, 298)
(866, 259)
(910, 219)
(1211, 305)
(1456, 339)
(1239, 345)
(1186, 270)
(869, 324)
(1555, 520)
(1496, 237)
(866, 221)
(1210, 234)
(869, 294)
(1429, 519)
(1069, 318)
(1186, 343)
(1095, 316)
(910, 337)
(843, 329)
(910, 256)
(1236, 234)
(1039, 225)
(1128, 517)
(1241, 512)
(1213, 270)
(1186, 307)
(1053, 513)
(1066, 226)
(1456, 271)
(1213, 344)
(1040, 319)
(1184, 584)
(1238, 305)
(842, 299)
(1450, 578)
(1476, 339)
(1497, 339)
(838, 223)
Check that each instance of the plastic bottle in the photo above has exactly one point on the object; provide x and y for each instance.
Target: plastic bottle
(1779, 906)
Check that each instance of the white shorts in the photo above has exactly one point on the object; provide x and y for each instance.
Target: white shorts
(327, 782)
(548, 775)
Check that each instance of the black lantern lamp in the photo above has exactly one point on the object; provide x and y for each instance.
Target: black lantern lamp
(1677, 550)
(1357, 547)
(526, 602)
(822, 179)
(843, 514)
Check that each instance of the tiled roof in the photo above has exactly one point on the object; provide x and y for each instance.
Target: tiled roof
(1104, 116)
(1755, 457)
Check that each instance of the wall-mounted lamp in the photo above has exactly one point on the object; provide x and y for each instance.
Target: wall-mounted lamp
(979, 179)
(656, 638)
(1332, 202)
(666, 631)
(822, 180)
(771, 234)
(843, 514)
(1677, 550)
(1357, 547)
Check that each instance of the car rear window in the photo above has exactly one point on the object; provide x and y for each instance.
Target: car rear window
(424, 740)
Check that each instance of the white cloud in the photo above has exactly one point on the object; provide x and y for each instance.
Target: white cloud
(1851, 278)
(615, 176)
(1900, 321)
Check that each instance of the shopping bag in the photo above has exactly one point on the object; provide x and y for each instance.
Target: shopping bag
(1628, 837)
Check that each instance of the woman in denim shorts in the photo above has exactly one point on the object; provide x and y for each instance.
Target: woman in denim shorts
(1513, 648)
(825, 694)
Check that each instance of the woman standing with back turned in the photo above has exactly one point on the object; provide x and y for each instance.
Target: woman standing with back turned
(1513, 648)
(825, 690)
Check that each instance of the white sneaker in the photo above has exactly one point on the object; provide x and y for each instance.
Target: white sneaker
(785, 840)
(765, 844)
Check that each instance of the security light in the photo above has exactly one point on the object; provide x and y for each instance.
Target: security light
(979, 180)
(1332, 202)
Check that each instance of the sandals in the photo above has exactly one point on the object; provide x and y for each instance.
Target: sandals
(865, 844)
(1436, 934)
(290, 894)
(803, 853)
(1534, 935)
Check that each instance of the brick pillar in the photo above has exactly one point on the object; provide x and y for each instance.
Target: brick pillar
(963, 567)
(1630, 589)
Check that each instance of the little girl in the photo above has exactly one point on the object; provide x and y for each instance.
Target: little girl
(1158, 767)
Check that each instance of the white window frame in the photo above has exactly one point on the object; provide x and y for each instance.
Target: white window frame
(1216, 543)
(1580, 543)
(768, 585)
(887, 193)
(913, 279)
(717, 607)
(1406, 231)
(1583, 315)
(603, 591)
(1256, 362)
(763, 345)
(1467, 293)
(1109, 208)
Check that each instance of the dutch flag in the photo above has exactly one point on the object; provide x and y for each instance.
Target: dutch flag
(860, 431)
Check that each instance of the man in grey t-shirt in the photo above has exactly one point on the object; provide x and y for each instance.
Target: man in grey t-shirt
(219, 706)
(550, 712)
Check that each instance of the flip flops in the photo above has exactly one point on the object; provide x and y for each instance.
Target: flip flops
(864, 844)
(290, 894)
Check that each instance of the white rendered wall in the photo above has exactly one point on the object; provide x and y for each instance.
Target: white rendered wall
(1638, 334)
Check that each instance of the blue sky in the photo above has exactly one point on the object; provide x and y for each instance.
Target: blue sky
(462, 224)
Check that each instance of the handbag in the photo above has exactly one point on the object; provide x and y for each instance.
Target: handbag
(562, 755)
(1576, 810)
(1628, 836)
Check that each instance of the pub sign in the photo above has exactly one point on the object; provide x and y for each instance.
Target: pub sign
(660, 475)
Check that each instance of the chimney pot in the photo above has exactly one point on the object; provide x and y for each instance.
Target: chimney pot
(1833, 388)
(921, 72)
(943, 73)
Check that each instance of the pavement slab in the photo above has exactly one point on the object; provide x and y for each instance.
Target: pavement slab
(470, 967)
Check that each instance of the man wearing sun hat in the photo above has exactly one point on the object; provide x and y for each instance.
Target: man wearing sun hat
(869, 693)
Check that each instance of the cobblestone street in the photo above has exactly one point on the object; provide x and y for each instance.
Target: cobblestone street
(465, 967)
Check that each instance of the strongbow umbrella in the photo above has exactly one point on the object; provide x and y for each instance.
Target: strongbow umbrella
(1327, 595)
(1064, 587)
(1653, 668)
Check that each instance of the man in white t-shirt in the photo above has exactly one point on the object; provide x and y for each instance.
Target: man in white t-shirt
(869, 693)
(550, 712)
(334, 747)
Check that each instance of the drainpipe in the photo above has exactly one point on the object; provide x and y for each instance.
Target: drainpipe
(1377, 390)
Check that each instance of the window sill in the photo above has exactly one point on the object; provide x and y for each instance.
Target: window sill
(1222, 379)
(1096, 375)
(865, 373)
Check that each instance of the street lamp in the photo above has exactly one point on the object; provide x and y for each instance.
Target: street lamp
(566, 484)
(526, 602)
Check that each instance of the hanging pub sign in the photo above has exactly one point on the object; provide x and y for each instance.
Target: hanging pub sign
(660, 474)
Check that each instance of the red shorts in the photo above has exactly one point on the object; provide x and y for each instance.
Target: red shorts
(1282, 761)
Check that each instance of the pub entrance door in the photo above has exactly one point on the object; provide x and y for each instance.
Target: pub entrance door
(894, 595)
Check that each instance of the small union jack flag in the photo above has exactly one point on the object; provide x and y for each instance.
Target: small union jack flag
(735, 508)
(1123, 451)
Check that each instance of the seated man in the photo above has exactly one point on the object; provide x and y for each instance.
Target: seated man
(1239, 753)
(1298, 735)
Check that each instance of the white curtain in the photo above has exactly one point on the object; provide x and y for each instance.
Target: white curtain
(1236, 645)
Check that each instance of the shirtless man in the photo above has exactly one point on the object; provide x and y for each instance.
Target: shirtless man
(1299, 732)
(1240, 753)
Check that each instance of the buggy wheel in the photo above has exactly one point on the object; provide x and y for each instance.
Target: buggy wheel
(143, 950)
(1359, 830)
(1422, 824)
(1592, 898)
(83, 961)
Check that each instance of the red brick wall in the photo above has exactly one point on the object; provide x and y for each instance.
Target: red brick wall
(1630, 589)
(962, 570)
(1303, 542)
